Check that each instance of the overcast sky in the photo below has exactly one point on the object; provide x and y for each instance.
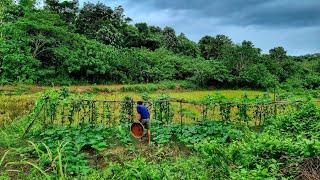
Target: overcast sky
(293, 24)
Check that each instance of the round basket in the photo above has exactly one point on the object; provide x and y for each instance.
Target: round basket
(137, 130)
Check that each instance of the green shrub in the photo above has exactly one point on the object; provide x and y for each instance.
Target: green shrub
(140, 168)
(304, 121)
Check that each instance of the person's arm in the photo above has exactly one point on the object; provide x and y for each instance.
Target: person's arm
(138, 114)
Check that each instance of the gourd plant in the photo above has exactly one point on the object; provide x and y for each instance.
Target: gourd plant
(225, 111)
(209, 104)
(126, 111)
(106, 116)
(243, 108)
(46, 104)
(52, 102)
(147, 101)
(94, 113)
(224, 107)
(163, 109)
(262, 108)
(72, 110)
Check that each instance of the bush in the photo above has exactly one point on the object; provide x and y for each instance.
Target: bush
(140, 168)
(305, 121)
(207, 73)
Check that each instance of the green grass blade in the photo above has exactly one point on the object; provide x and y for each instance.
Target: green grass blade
(36, 148)
(59, 150)
(49, 152)
(4, 156)
(33, 165)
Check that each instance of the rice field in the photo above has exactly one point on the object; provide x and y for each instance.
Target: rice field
(187, 95)
(16, 101)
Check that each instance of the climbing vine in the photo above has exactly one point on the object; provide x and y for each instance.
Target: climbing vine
(163, 110)
(65, 108)
(243, 108)
(126, 111)
(225, 111)
(106, 114)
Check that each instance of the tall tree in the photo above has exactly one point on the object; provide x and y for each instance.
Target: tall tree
(239, 58)
(28, 4)
(206, 46)
(147, 38)
(170, 39)
(131, 36)
(187, 47)
(3, 7)
(96, 19)
(278, 53)
(66, 9)
(143, 28)
(212, 47)
(10, 11)
(155, 29)
(108, 34)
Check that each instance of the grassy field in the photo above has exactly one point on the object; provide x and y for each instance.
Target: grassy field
(187, 95)
(12, 107)
(176, 90)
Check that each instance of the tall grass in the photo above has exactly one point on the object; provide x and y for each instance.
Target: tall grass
(47, 176)
(54, 158)
(12, 132)
(12, 107)
(3, 157)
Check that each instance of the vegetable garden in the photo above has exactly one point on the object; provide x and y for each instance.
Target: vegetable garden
(63, 108)
(70, 136)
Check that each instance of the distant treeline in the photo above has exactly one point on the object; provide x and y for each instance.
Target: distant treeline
(62, 43)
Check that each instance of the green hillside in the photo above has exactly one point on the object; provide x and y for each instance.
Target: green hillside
(62, 43)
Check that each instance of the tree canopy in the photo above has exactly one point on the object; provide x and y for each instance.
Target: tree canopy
(63, 43)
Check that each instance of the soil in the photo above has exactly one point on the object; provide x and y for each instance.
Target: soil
(94, 158)
(309, 169)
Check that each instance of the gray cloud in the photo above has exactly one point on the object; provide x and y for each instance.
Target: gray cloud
(249, 12)
(293, 24)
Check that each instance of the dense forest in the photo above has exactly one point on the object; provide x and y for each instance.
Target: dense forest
(64, 43)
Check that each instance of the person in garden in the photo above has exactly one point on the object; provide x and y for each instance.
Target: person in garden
(144, 118)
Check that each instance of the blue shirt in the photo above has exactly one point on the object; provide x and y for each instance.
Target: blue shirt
(143, 111)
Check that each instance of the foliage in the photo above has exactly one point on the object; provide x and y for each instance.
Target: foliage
(187, 47)
(94, 19)
(127, 111)
(212, 47)
(67, 44)
(163, 110)
(76, 140)
(66, 9)
(278, 53)
(304, 122)
(190, 134)
(207, 73)
(141, 168)
(215, 149)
